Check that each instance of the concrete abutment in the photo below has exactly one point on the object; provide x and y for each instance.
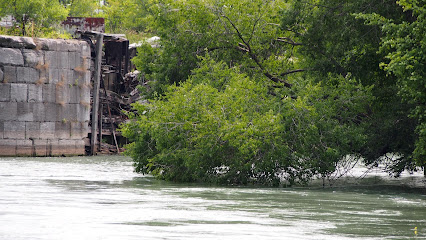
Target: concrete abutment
(44, 96)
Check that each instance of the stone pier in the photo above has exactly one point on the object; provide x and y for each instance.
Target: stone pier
(44, 96)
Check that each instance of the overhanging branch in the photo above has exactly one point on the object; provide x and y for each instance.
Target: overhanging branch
(245, 47)
(288, 41)
(292, 71)
(277, 80)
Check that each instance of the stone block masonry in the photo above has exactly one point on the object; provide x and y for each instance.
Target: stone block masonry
(44, 96)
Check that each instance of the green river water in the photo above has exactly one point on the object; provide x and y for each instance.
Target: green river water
(102, 198)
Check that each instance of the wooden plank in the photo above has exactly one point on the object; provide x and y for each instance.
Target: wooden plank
(95, 106)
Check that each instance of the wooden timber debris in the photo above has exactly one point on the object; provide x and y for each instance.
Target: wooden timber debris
(118, 90)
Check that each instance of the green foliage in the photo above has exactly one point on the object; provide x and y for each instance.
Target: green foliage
(127, 15)
(134, 36)
(337, 41)
(115, 14)
(54, 33)
(42, 14)
(82, 8)
(224, 126)
(241, 115)
(334, 40)
(240, 33)
(404, 44)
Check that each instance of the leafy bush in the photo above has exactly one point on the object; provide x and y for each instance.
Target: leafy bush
(225, 127)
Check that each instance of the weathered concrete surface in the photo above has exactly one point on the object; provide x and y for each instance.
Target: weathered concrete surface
(44, 96)
(1, 75)
(32, 58)
(16, 42)
(8, 147)
(11, 56)
(18, 92)
(9, 74)
(4, 92)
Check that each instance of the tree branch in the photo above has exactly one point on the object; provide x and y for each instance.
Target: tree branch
(277, 80)
(292, 71)
(193, 33)
(288, 41)
(254, 28)
(240, 36)
(246, 46)
(241, 49)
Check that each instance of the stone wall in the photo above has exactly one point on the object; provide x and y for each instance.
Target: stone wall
(44, 96)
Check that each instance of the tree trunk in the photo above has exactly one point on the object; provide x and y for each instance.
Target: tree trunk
(23, 28)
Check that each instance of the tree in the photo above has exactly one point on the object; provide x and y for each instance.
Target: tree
(404, 44)
(82, 8)
(337, 41)
(241, 115)
(121, 15)
(243, 33)
(316, 68)
(43, 13)
(223, 126)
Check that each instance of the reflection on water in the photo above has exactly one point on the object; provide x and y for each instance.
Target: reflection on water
(101, 198)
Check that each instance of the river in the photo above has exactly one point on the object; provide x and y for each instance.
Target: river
(102, 198)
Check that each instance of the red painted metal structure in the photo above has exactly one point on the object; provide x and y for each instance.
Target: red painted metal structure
(83, 24)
